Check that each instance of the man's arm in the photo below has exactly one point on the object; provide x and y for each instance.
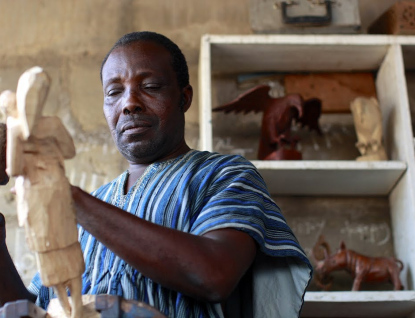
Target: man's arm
(11, 285)
(205, 267)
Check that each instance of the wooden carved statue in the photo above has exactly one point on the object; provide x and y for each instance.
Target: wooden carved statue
(362, 268)
(276, 142)
(368, 124)
(36, 148)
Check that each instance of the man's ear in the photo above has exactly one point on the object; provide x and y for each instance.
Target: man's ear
(187, 97)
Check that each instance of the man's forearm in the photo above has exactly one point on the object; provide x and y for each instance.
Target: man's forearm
(204, 267)
(149, 248)
(11, 285)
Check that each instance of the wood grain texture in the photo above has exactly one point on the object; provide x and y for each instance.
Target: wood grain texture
(336, 90)
(36, 149)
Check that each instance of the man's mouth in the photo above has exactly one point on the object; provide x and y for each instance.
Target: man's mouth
(136, 127)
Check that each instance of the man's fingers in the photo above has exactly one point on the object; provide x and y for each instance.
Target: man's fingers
(2, 220)
(2, 230)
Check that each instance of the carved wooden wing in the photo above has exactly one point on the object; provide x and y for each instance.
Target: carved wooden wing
(311, 114)
(256, 99)
(32, 89)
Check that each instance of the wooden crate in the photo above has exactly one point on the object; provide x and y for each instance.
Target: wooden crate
(267, 16)
(222, 58)
(398, 19)
(335, 90)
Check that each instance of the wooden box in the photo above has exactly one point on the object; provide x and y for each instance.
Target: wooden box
(398, 19)
(335, 90)
(302, 186)
(304, 16)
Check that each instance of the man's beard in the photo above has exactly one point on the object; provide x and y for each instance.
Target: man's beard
(137, 151)
(134, 149)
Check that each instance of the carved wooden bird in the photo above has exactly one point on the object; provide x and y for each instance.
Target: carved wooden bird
(276, 142)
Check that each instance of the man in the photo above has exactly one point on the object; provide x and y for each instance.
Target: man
(180, 228)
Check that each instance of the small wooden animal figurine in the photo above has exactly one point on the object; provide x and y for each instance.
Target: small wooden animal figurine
(368, 124)
(36, 149)
(362, 268)
(276, 142)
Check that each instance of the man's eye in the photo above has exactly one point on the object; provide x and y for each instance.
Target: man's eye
(113, 92)
(152, 86)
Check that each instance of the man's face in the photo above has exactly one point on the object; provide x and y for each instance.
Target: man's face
(142, 102)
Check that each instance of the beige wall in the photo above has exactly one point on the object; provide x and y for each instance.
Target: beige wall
(69, 38)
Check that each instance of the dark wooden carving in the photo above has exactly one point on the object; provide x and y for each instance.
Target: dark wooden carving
(362, 268)
(276, 142)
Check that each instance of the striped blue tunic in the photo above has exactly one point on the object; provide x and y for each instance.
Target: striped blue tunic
(195, 193)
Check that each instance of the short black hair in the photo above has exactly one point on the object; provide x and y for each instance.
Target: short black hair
(178, 60)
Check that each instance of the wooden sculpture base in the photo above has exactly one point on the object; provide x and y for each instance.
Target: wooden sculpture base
(367, 118)
(109, 305)
(378, 156)
(56, 311)
(284, 154)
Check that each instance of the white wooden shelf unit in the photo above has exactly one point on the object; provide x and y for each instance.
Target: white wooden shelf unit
(387, 56)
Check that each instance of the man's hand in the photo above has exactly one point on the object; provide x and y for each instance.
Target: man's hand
(11, 285)
(2, 230)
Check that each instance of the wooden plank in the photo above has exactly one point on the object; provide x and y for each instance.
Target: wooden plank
(388, 304)
(296, 53)
(393, 98)
(336, 90)
(343, 178)
(205, 96)
(299, 57)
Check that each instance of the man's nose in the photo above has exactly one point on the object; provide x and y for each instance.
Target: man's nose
(133, 103)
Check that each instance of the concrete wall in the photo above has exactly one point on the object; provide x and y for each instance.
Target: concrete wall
(69, 38)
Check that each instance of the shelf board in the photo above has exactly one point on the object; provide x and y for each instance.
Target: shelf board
(345, 178)
(368, 304)
(283, 52)
(297, 53)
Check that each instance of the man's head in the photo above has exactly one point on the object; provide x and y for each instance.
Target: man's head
(178, 61)
(145, 97)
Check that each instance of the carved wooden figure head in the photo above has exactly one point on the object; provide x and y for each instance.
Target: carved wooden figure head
(368, 124)
(31, 93)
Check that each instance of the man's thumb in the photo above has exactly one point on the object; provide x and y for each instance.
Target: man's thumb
(2, 221)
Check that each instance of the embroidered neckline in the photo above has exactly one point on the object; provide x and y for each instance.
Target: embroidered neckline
(122, 198)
